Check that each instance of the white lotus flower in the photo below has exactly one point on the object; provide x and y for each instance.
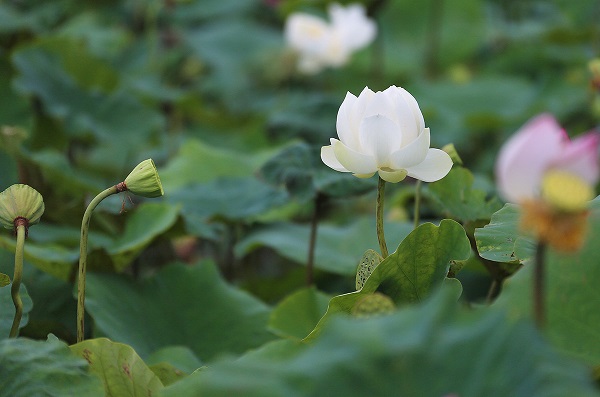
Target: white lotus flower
(320, 44)
(384, 132)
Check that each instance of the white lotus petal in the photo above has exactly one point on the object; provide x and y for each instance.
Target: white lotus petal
(409, 119)
(328, 157)
(379, 137)
(360, 105)
(436, 165)
(380, 104)
(347, 132)
(412, 154)
(352, 23)
(364, 176)
(352, 160)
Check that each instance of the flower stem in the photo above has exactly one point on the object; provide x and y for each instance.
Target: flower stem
(85, 224)
(417, 203)
(16, 284)
(314, 223)
(538, 285)
(379, 217)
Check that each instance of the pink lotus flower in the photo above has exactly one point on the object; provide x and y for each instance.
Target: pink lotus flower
(541, 146)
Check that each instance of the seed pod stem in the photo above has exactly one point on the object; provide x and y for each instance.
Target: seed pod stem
(21, 229)
(85, 225)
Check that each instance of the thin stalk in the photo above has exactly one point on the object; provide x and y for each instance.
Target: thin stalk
(379, 217)
(538, 285)
(314, 223)
(417, 203)
(16, 284)
(434, 37)
(491, 292)
(85, 225)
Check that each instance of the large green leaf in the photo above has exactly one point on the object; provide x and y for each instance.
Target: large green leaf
(181, 357)
(300, 169)
(122, 371)
(431, 350)
(57, 71)
(180, 305)
(198, 162)
(298, 313)
(148, 222)
(7, 309)
(501, 240)
(38, 368)
(338, 249)
(410, 274)
(455, 196)
(571, 298)
(232, 199)
(52, 259)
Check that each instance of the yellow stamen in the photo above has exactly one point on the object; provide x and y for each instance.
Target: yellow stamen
(566, 191)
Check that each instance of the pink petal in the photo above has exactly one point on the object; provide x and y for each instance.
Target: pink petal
(580, 157)
(525, 157)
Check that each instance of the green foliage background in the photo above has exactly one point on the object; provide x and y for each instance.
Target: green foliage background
(203, 292)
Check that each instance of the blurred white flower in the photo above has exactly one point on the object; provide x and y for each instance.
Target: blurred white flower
(320, 44)
(384, 132)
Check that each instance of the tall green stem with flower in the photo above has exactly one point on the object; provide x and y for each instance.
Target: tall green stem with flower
(553, 187)
(21, 229)
(85, 225)
(142, 181)
(20, 207)
(384, 132)
(379, 218)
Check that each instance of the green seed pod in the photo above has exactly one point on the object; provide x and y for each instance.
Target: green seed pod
(20, 201)
(367, 264)
(144, 180)
(373, 304)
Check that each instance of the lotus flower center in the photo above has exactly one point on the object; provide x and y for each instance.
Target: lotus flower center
(566, 191)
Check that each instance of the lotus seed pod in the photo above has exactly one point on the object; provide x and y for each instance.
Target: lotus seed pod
(144, 180)
(373, 304)
(20, 201)
(367, 264)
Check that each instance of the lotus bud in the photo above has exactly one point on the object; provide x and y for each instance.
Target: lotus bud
(20, 204)
(143, 181)
(373, 304)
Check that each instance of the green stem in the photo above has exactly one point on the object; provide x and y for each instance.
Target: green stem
(417, 203)
(314, 223)
(379, 217)
(16, 284)
(538, 285)
(85, 225)
(434, 37)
